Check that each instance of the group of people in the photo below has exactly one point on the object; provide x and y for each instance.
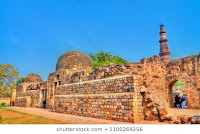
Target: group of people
(179, 101)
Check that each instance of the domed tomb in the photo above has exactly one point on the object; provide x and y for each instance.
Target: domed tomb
(32, 78)
(74, 60)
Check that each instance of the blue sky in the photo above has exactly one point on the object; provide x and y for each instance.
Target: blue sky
(34, 33)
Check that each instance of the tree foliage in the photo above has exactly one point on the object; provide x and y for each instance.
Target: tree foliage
(19, 81)
(179, 83)
(101, 59)
(8, 76)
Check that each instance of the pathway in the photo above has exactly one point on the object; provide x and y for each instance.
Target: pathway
(73, 119)
(179, 111)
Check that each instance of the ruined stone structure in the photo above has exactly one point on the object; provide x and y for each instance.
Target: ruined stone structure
(186, 70)
(125, 92)
(30, 93)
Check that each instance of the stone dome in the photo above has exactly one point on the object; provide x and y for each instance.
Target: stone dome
(32, 78)
(74, 60)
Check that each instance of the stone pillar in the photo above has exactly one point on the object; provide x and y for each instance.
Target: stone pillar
(137, 100)
(164, 51)
(13, 97)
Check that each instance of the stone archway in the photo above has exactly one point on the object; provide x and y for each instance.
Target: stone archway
(171, 79)
(177, 90)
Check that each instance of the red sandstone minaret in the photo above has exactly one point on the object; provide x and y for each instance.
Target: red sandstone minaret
(164, 50)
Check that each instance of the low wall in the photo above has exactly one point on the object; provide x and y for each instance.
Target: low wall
(116, 98)
(5, 99)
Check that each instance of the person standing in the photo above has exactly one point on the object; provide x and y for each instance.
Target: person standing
(177, 101)
(44, 104)
(182, 101)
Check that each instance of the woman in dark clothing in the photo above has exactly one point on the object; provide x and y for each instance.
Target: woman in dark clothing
(177, 101)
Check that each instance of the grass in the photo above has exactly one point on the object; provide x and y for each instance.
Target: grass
(4, 106)
(13, 117)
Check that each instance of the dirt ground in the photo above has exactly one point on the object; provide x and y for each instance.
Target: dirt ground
(179, 111)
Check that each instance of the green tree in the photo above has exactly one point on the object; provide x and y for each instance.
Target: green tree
(17, 83)
(179, 83)
(101, 59)
(8, 75)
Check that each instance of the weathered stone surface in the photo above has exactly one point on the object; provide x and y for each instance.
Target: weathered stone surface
(172, 118)
(176, 122)
(74, 60)
(112, 101)
(195, 120)
(29, 94)
(115, 85)
(162, 110)
(32, 78)
(163, 117)
(184, 120)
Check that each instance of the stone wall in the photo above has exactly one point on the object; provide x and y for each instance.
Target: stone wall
(152, 70)
(190, 64)
(28, 99)
(28, 95)
(186, 70)
(116, 98)
(20, 102)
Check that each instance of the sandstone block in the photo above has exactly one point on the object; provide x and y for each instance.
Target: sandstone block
(163, 111)
(176, 122)
(184, 120)
(164, 117)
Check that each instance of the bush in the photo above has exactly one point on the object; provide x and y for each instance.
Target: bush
(102, 59)
(3, 104)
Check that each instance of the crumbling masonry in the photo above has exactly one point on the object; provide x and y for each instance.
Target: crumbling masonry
(126, 92)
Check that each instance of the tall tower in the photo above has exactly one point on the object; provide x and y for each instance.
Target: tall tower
(164, 50)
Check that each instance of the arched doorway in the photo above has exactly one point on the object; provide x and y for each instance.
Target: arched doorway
(191, 91)
(177, 88)
(43, 97)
